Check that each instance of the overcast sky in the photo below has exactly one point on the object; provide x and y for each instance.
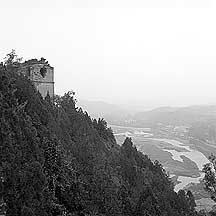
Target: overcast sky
(161, 51)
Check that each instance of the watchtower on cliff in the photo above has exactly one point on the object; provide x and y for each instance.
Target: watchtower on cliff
(41, 74)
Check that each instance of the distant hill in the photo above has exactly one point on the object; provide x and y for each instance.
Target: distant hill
(100, 109)
(168, 115)
(97, 108)
(175, 116)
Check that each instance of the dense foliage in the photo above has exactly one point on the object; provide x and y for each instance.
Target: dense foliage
(210, 179)
(56, 160)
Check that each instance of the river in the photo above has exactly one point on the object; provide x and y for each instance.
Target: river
(194, 155)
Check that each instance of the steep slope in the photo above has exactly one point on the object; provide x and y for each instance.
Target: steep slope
(56, 160)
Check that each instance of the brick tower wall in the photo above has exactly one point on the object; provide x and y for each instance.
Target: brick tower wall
(42, 76)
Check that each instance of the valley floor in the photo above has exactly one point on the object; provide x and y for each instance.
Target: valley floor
(182, 158)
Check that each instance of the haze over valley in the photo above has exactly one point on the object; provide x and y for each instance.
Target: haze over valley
(180, 138)
(108, 108)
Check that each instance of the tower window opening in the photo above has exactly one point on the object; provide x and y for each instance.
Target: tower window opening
(43, 71)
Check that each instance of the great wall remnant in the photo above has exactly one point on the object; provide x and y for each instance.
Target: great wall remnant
(41, 74)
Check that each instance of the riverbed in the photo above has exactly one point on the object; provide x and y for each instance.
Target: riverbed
(194, 155)
(178, 158)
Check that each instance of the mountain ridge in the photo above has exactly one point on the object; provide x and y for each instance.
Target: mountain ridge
(57, 160)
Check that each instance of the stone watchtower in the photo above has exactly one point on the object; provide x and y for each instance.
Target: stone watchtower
(41, 74)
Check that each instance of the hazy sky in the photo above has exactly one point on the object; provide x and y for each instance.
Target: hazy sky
(162, 51)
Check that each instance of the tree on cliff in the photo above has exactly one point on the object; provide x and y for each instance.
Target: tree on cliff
(210, 178)
(12, 59)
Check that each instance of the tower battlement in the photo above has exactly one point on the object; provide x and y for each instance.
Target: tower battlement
(41, 74)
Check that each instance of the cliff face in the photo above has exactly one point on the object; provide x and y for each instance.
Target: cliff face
(56, 160)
